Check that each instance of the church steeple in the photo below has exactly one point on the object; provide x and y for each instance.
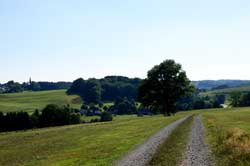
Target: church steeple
(30, 81)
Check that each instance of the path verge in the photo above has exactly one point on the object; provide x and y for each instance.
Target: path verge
(143, 153)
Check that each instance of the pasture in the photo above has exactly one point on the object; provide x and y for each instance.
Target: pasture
(29, 101)
(226, 91)
(86, 144)
(227, 135)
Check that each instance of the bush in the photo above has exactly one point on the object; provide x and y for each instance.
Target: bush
(106, 116)
(75, 118)
(53, 115)
(123, 106)
(85, 107)
(140, 114)
(94, 120)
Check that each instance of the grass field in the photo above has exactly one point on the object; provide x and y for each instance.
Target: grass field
(228, 133)
(226, 91)
(87, 144)
(29, 101)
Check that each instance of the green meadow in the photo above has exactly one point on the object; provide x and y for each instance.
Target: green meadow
(29, 101)
(227, 134)
(77, 145)
(226, 91)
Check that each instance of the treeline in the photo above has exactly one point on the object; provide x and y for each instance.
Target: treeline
(238, 99)
(195, 102)
(124, 106)
(51, 115)
(15, 87)
(107, 89)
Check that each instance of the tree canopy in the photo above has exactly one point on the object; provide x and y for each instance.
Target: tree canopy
(106, 89)
(165, 84)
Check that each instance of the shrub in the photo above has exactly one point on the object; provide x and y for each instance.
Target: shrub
(53, 115)
(105, 108)
(94, 120)
(140, 114)
(85, 107)
(106, 116)
(75, 118)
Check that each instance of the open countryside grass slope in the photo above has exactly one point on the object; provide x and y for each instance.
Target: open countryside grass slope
(226, 91)
(29, 101)
(104, 143)
(87, 144)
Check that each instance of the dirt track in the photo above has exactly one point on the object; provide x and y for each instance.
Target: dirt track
(197, 153)
(142, 154)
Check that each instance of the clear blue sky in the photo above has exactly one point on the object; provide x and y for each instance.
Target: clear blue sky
(57, 40)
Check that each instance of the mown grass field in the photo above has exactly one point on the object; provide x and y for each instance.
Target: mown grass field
(228, 134)
(77, 145)
(29, 101)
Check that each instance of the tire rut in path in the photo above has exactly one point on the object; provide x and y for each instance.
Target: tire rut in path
(197, 153)
(142, 154)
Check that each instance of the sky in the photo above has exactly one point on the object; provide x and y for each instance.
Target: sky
(61, 40)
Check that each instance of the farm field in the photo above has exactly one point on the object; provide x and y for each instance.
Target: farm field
(87, 144)
(228, 134)
(226, 91)
(29, 101)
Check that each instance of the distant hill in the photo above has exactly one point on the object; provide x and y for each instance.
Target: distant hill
(29, 101)
(211, 84)
(226, 91)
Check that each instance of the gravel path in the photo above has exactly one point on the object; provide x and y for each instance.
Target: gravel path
(143, 153)
(197, 151)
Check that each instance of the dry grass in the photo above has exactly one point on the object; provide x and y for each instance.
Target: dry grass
(230, 145)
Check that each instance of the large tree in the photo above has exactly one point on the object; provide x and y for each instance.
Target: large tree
(164, 86)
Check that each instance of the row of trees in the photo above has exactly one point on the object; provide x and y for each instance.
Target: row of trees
(165, 89)
(238, 99)
(164, 86)
(14, 87)
(51, 115)
(199, 102)
(107, 89)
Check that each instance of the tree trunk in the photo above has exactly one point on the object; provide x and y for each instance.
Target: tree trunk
(166, 109)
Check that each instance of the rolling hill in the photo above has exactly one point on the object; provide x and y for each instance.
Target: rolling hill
(84, 144)
(210, 84)
(29, 101)
(226, 91)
